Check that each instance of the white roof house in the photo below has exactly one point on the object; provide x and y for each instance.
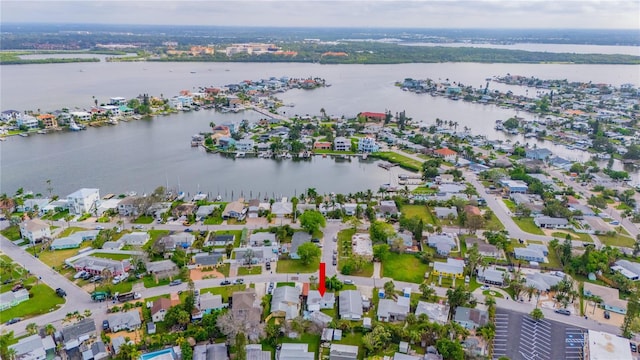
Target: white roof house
(436, 312)
(453, 267)
(33, 347)
(129, 320)
(604, 346)
(137, 238)
(343, 352)
(35, 230)
(286, 301)
(350, 304)
(295, 351)
(389, 310)
(629, 269)
(317, 302)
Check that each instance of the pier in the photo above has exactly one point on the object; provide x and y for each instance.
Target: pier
(267, 113)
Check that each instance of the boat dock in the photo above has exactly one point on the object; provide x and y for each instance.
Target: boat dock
(268, 114)
(386, 165)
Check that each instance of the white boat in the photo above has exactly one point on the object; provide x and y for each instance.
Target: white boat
(240, 154)
(218, 198)
(73, 126)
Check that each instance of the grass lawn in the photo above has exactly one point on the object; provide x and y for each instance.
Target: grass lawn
(403, 161)
(510, 205)
(122, 287)
(42, 300)
(112, 256)
(404, 267)
(143, 219)
(57, 257)
(12, 232)
(344, 251)
(225, 291)
(495, 294)
(213, 220)
(296, 266)
(70, 230)
(150, 281)
(493, 224)
(255, 270)
(417, 211)
(527, 225)
(584, 237)
(617, 240)
(554, 260)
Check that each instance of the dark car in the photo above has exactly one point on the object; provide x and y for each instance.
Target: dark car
(105, 325)
(563, 311)
(335, 262)
(607, 315)
(225, 282)
(188, 230)
(8, 281)
(239, 281)
(61, 292)
(13, 321)
(634, 347)
(315, 240)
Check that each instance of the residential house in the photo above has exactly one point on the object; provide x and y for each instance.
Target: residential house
(435, 312)
(406, 239)
(529, 254)
(542, 281)
(630, 270)
(443, 243)
(208, 302)
(389, 310)
(445, 213)
(446, 153)
(262, 238)
(35, 205)
(282, 208)
(472, 210)
(223, 239)
(245, 306)
(317, 302)
(211, 352)
(343, 352)
(514, 186)
(83, 201)
(350, 209)
(159, 309)
(34, 348)
(10, 299)
(27, 121)
(285, 302)
(368, 145)
(74, 240)
(388, 208)
(254, 208)
(246, 145)
(129, 206)
(129, 320)
(484, 248)
(98, 266)
(74, 335)
(80, 115)
(205, 210)
(234, 210)
(255, 255)
(319, 318)
(341, 144)
(136, 238)
(112, 245)
(492, 276)
(471, 318)
(453, 268)
(162, 269)
(299, 238)
(255, 352)
(185, 209)
(171, 242)
(538, 154)
(322, 145)
(350, 305)
(295, 351)
(372, 116)
(584, 209)
(35, 230)
(610, 297)
(208, 259)
(547, 222)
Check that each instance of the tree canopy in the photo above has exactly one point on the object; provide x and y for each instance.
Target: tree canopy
(312, 221)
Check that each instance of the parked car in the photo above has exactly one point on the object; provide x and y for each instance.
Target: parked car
(99, 227)
(79, 274)
(607, 314)
(563, 311)
(485, 287)
(13, 321)
(225, 282)
(8, 281)
(175, 282)
(239, 281)
(105, 325)
(315, 240)
(348, 282)
(138, 227)
(61, 292)
(188, 230)
(268, 265)
(335, 262)
(634, 347)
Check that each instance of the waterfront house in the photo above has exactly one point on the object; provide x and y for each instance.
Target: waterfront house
(234, 210)
(299, 238)
(205, 210)
(27, 121)
(35, 230)
(435, 312)
(538, 154)
(445, 213)
(225, 143)
(372, 116)
(282, 208)
(129, 320)
(159, 309)
(368, 145)
(129, 206)
(390, 310)
(471, 318)
(547, 222)
(10, 299)
(285, 302)
(350, 305)
(453, 268)
(341, 144)
(246, 145)
(98, 266)
(10, 115)
(83, 201)
(48, 120)
(254, 208)
(446, 153)
(34, 348)
(184, 209)
(80, 115)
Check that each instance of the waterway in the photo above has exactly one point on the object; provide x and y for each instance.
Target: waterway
(142, 155)
(552, 48)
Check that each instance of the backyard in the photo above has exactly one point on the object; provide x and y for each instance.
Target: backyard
(419, 211)
(404, 267)
(225, 291)
(42, 299)
(296, 266)
(55, 258)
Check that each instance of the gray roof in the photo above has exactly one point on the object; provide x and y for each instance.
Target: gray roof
(299, 238)
(492, 275)
(434, 240)
(315, 298)
(117, 342)
(33, 345)
(343, 350)
(477, 316)
(295, 351)
(135, 238)
(350, 303)
(84, 327)
(210, 301)
(443, 212)
(320, 318)
(130, 319)
(159, 266)
(210, 352)
(286, 299)
(207, 259)
(282, 208)
(436, 312)
(255, 352)
(629, 266)
(452, 266)
(531, 253)
(261, 237)
(387, 307)
(206, 210)
(542, 281)
(547, 220)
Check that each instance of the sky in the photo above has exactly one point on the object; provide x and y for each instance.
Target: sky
(589, 14)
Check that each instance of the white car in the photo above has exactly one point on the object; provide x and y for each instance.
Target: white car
(485, 287)
(79, 274)
(99, 227)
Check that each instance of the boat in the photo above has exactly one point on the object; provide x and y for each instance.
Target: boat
(73, 126)
(113, 121)
(197, 140)
(218, 198)
(42, 132)
(180, 196)
(193, 72)
(24, 134)
(240, 154)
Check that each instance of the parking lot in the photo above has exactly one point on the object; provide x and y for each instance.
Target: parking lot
(519, 337)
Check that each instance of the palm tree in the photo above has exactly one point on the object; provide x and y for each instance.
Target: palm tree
(49, 329)
(32, 328)
(530, 290)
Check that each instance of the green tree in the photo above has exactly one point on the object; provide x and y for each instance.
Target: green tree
(380, 251)
(450, 350)
(377, 339)
(537, 314)
(312, 221)
(308, 252)
(457, 297)
(32, 328)
(427, 291)
(473, 259)
(389, 288)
